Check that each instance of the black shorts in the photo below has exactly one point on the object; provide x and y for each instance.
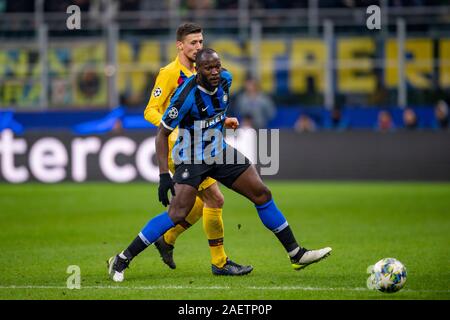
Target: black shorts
(225, 172)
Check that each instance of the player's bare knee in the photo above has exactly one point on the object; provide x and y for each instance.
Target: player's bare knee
(177, 218)
(177, 214)
(267, 195)
(217, 200)
(213, 198)
(262, 196)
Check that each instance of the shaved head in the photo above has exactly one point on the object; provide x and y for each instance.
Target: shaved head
(205, 55)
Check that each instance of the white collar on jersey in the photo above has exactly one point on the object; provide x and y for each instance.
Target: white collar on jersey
(207, 91)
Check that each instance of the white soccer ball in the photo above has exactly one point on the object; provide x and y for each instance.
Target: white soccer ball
(387, 275)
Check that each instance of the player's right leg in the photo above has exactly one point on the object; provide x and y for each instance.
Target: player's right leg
(213, 226)
(166, 243)
(250, 185)
(180, 206)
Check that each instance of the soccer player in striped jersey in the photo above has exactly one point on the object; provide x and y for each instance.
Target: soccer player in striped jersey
(209, 201)
(199, 109)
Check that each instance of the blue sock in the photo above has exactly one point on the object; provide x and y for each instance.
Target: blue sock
(271, 217)
(274, 220)
(155, 228)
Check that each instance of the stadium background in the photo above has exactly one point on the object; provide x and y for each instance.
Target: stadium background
(67, 94)
(311, 57)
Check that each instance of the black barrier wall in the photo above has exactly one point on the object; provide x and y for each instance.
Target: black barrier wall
(365, 156)
(53, 158)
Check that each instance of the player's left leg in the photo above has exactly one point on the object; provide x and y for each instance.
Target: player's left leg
(250, 185)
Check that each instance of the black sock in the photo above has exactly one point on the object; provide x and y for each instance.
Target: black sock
(136, 247)
(299, 254)
(287, 239)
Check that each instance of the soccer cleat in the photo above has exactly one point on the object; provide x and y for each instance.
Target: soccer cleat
(309, 257)
(166, 252)
(116, 268)
(231, 269)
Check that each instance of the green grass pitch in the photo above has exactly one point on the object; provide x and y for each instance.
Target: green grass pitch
(46, 228)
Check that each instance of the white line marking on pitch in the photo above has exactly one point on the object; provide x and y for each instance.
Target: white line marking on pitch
(283, 288)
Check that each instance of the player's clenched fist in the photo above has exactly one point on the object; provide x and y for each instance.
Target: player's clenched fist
(165, 184)
(232, 123)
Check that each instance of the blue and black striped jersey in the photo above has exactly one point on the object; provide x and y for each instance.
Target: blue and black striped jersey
(198, 110)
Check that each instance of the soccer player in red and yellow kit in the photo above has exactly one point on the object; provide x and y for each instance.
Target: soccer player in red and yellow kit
(209, 201)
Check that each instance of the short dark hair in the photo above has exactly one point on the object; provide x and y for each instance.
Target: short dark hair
(187, 28)
(203, 52)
